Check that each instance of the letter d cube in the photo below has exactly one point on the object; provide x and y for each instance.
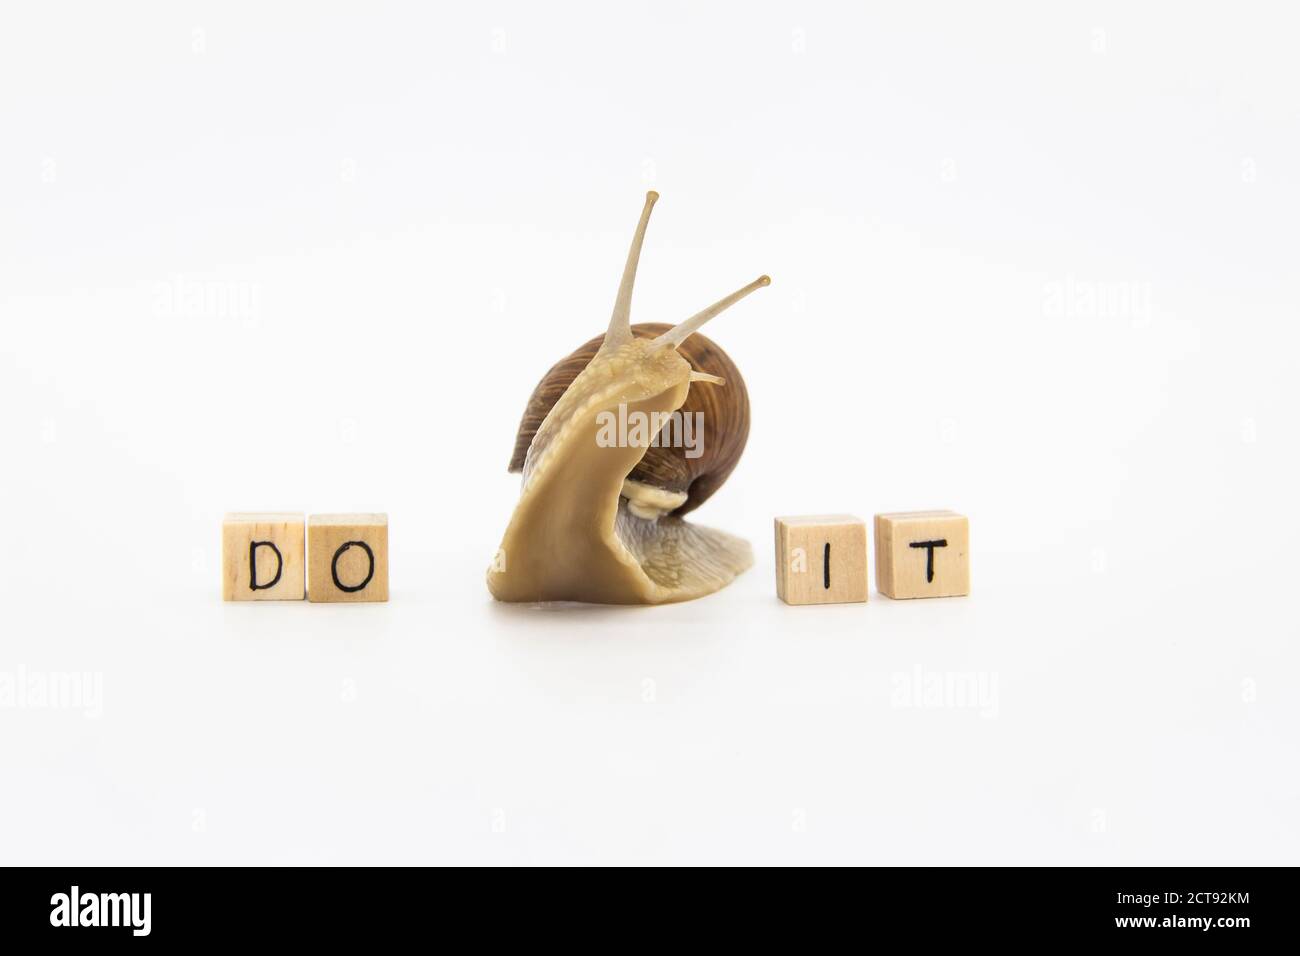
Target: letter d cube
(262, 557)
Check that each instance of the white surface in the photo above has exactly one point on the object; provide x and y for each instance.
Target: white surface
(424, 209)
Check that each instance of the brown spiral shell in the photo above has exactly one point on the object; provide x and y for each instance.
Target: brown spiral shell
(725, 418)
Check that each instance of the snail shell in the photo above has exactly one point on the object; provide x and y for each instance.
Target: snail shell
(599, 521)
(667, 480)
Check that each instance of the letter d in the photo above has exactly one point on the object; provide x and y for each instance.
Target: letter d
(252, 565)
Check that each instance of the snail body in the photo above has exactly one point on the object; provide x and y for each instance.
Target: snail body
(600, 520)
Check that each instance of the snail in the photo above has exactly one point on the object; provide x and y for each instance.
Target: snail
(619, 440)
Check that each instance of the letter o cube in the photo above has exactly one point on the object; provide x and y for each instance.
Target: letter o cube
(347, 557)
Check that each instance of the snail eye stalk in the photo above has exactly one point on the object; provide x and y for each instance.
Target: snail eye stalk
(681, 332)
(620, 322)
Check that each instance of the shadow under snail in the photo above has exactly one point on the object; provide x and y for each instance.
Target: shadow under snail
(599, 518)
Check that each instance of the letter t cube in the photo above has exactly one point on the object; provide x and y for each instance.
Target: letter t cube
(922, 554)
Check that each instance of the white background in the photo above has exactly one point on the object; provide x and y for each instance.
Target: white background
(257, 256)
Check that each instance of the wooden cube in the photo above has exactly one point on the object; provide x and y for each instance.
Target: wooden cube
(922, 554)
(821, 559)
(263, 557)
(347, 557)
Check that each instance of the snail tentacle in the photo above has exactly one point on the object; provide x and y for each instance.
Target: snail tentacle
(620, 322)
(683, 330)
(697, 376)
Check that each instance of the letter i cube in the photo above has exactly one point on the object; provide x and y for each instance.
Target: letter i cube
(347, 557)
(263, 557)
(821, 559)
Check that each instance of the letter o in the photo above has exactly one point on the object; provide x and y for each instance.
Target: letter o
(334, 566)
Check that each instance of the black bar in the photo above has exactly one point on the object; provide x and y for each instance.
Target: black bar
(368, 906)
